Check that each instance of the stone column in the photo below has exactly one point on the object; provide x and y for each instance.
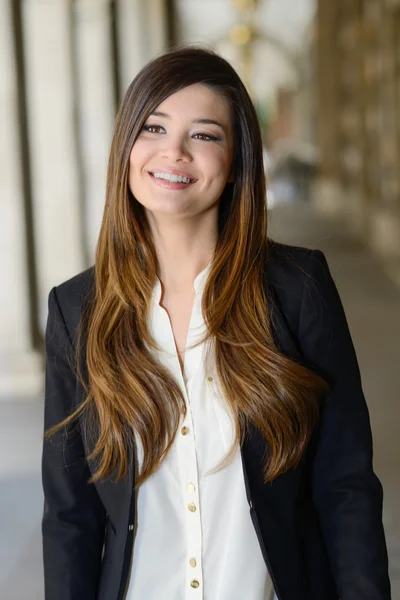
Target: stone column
(20, 366)
(132, 43)
(53, 143)
(385, 211)
(96, 106)
(156, 21)
(327, 191)
(142, 30)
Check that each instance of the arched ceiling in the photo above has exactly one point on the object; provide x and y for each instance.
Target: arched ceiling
(282, 23)
(206, 20)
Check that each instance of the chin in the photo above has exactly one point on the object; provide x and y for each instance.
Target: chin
(164, 208)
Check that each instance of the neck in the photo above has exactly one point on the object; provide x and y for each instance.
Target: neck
(183, 251)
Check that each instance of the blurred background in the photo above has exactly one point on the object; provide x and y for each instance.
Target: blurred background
(324, 76)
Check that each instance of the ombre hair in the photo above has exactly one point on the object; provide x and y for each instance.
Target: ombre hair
(128, 391)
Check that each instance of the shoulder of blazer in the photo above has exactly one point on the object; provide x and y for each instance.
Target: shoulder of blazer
(288, 265)
(71, 295)
(290, 271)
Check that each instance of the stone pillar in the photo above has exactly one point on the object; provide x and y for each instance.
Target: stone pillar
(156, 21)
(142, 30)
(20, 366)
(385, 211)
(132, 44)
(327, 191)
(53, 144)
(96, 107)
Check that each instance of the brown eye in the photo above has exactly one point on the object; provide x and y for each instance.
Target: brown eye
(206, 137)
(152, 128)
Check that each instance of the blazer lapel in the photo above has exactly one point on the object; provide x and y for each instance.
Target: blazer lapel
(117, 497)
(255, 447)
(271, 503)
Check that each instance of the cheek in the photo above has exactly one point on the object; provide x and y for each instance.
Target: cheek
(220, 169)
(216, 163)
(134, 170)
(139, 155)
(134, 160)
(132, 164)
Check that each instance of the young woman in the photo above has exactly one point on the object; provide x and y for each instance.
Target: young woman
(207, 435)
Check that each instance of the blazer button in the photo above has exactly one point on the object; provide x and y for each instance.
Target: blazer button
(130, 528)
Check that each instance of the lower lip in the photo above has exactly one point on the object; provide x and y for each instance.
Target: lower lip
(171, 185)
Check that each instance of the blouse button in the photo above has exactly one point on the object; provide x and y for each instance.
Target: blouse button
(194, 583)
(192, 562)
(210, 379)
(192, 507)
(185, 430)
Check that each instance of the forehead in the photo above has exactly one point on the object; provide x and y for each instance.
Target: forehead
(197, 101)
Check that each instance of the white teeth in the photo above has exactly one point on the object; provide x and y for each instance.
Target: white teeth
(172, 177)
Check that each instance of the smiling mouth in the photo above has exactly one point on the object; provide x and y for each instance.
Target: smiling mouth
(171, 180)
(172, 177)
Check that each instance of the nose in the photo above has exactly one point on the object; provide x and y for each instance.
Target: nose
(175, 149)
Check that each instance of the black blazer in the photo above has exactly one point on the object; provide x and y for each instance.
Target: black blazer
(319, 526)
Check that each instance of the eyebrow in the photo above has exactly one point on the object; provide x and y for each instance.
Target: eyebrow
(201, 121)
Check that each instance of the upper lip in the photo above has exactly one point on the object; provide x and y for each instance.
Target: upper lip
(172, 172)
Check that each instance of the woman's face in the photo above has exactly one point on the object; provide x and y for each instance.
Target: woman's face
(181, 160)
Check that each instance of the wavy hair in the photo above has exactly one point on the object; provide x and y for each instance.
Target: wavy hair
(127, 390)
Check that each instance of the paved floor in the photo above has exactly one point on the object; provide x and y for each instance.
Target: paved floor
(372, 304)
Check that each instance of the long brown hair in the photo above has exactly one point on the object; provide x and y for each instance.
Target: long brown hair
(127, 389)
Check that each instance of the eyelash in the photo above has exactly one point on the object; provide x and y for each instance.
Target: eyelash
(212, 138)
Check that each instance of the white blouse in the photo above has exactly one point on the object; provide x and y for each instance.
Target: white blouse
(195, 539)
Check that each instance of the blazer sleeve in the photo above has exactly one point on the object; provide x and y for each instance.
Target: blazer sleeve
(346, 492)
(74, 518)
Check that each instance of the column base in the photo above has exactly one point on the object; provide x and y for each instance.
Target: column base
(385, 233)
(21, 376)
(384, 240)
(327, 197)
